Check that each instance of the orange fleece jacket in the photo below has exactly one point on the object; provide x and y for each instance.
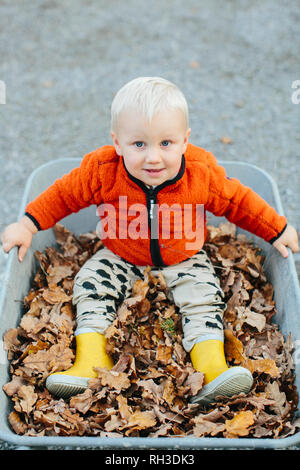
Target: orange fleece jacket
(201, 185)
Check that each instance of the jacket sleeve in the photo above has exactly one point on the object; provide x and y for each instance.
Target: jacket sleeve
(241, 205)
(74, 191)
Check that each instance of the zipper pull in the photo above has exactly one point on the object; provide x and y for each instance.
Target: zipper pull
(152, 201)
(151, 208)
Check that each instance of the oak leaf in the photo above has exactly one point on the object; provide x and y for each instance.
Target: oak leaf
(204, 428)
(233, 347)
(55, 295)
(280, 405)
(266, 366)
(113, 379)
(124, 409)
(83, 401)
(28, 398)
(151, 390)
(169, 393)
(113, 423)
(140, 289)
(195, 382)
(257, 320)
(239, 424)
(58, 273)
(16, 423)
(164, 353)
(140, 420)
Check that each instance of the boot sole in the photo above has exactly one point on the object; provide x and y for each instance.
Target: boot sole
(233, 381)
(65, 386)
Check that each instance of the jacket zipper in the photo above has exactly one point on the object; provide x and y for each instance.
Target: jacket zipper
(151, 195)
(151, 208)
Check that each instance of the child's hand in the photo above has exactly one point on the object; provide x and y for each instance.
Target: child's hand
(19, 234)
(289, 238)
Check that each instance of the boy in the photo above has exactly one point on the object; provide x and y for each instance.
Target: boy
(153, 170)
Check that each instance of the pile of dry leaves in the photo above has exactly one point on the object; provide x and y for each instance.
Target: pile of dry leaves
(147, 392)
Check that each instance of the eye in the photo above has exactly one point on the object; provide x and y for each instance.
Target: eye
(165, 143)
(139, 144)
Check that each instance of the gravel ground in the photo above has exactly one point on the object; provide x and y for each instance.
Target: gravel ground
(62, 62)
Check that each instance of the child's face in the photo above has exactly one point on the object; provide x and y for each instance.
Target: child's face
(152, 151)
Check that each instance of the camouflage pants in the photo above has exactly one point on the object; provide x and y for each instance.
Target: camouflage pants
(106, 279)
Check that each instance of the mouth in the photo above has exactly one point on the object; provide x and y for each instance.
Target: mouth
(154, 172)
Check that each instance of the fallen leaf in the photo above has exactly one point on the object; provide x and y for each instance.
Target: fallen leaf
(163, 353)
(169, 394)
(140, 420)
(56, 295)
(83, 401)
(239, 424)
(226, 140)
(116, 380)
(16, 423)
(233, 347)
(266, 366)
(257, 320)
(114, 423)
(195, 382)
(28, 398)
(12, 387)
(280, 405)
(58, 273)
(204, 427)
(124, 409)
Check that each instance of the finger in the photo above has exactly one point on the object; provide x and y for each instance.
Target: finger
(6, 246)
(22, 252)
(282, 250)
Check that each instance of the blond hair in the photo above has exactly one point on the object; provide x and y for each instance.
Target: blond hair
(149, 95)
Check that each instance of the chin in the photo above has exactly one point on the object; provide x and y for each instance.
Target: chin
(155, 181)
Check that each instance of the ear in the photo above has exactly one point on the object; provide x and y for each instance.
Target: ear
(116, 143)
(186, 139)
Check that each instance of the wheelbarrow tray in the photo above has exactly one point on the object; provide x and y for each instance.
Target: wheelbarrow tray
(280, 272)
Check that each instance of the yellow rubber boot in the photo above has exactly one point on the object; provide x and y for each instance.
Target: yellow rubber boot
(219, 380)
(90, 353)
(208, 357)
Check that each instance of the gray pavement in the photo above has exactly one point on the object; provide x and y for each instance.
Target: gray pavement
(62, 62)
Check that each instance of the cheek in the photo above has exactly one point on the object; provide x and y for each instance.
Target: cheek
(174, 164)
(133, 162)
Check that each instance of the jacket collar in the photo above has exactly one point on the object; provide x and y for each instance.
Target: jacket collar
(157, 188)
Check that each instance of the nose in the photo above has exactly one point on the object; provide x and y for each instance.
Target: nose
(153, 155)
